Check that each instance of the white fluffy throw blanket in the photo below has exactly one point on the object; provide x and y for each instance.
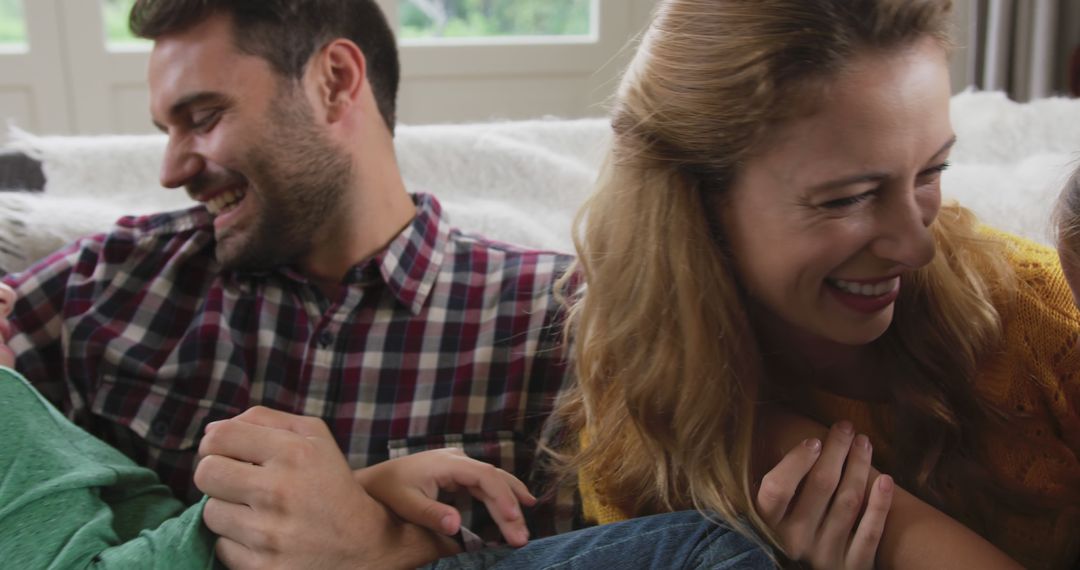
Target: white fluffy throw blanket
(523, 181)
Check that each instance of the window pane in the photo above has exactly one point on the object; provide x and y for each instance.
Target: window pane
(12, 24)
(493, 18)
(116, 23)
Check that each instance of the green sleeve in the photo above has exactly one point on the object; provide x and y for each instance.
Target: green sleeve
(68, 500)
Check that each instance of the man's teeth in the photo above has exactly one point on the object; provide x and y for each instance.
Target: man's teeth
(224, 202)
(866, 289)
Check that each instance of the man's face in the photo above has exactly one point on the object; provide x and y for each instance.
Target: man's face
(243, 140)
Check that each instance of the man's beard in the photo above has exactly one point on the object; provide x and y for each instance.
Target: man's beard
(298, 180)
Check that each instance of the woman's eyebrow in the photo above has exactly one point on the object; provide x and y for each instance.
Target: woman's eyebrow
(945, 148)
(871, 177)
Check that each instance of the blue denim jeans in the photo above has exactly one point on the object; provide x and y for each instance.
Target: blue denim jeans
(673, 540)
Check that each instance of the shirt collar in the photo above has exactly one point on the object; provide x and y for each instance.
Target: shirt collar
(411, 262)
(408, 265)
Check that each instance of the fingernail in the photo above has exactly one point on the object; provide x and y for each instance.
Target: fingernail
(846, 427)
(885, 483)
(813, 444)
(447, 524)
(862, 442)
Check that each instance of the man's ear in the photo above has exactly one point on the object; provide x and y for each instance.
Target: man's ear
(339, 73)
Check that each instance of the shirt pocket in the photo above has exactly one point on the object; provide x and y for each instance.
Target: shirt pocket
(156, 412)
(499, 448)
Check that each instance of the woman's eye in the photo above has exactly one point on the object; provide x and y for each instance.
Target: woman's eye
(934, 172)
(847, 202)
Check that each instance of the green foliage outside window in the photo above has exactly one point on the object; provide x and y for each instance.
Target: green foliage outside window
(486, 18)
(116, 21)
(12, 23)
(417, 19)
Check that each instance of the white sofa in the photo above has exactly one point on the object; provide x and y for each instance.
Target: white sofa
(523, 181)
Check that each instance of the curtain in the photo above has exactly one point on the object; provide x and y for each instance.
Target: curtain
(1027, 48)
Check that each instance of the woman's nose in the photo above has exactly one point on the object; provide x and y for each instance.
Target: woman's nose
(904, 229)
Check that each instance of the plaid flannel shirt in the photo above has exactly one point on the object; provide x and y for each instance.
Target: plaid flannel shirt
(441, 339)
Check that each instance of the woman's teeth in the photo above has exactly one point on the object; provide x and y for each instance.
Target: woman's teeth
(866, 289)
(224, 202)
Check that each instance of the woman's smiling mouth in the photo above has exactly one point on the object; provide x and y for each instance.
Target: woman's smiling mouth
(865, 297)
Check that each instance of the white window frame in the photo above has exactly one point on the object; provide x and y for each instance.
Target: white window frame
(36, 74)
(612, 23)
(77, 83)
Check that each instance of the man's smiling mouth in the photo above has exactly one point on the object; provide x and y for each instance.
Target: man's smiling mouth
(226, 201)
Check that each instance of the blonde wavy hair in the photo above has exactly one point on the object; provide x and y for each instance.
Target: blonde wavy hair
(668, 364)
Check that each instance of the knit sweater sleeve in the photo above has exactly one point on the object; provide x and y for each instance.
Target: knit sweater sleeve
(1034, 382)
(1037, 378)
(593, 506)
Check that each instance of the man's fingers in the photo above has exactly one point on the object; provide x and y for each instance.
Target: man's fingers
(868, 535)
(780, 483)
(226, 478)
(301, 425)
(847, 503)
(244, 441)
(232, 521)
(236, 556)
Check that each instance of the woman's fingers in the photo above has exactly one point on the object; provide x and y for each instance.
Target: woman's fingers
(779, 485)
(808, 512)
(864, 545)
(843, 512)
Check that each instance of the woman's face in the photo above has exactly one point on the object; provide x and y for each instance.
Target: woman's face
(826, 222)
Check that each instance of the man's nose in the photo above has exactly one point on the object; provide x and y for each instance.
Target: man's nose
(180, 164)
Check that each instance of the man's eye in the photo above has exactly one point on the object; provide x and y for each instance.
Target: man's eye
(841, 203)
(204, 119)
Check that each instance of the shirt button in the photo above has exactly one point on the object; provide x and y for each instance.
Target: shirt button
(326, 338)
(159, 428)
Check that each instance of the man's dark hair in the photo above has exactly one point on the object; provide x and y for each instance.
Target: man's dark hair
(286, 33)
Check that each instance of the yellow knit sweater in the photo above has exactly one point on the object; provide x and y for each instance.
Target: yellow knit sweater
(1036, 375)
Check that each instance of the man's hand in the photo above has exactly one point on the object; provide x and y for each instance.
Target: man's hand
(283, 496)
(7, 302)
(410, 485)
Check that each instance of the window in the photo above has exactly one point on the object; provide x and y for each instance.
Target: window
(72, 66)
(12, 25)
(493, 18)
(117, 34)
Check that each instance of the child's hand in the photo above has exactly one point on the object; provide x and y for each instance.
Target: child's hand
(7, 302)
(409, 486)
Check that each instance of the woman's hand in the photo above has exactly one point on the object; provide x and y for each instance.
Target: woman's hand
(7, 302)
(814, 498)
(409, 486)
